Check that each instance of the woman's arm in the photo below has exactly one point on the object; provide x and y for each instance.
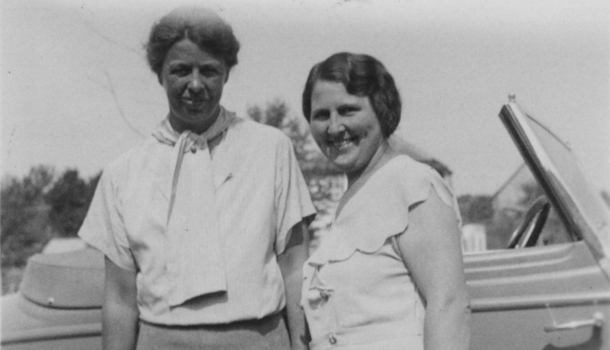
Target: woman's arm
(291, 264)
(120, 311)
(432, 252)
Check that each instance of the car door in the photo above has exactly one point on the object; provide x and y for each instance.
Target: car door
(554, 292)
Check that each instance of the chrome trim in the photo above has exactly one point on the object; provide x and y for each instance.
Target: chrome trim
(524, 138)
(51, 333)
(596, 322)
(540, 302)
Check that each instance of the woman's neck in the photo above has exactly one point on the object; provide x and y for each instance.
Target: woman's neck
(355, 181)
(383, 154)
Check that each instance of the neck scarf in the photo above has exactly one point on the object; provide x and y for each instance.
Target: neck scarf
(195, 262)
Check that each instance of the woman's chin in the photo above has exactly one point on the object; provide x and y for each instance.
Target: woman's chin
(192, 118)
(343, 165)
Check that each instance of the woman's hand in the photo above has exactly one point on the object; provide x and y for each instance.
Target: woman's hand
(291, 264)
(432, 252)
(120, 311)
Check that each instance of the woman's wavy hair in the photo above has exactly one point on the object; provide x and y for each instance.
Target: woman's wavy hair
(201, 26)
(364, 76)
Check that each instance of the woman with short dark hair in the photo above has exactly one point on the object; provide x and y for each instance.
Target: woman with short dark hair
(388, 274)
(362, 75)
(202, 225)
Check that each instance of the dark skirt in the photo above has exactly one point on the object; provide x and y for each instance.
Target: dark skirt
(269, 333)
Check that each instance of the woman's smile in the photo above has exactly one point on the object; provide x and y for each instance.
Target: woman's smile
(195, 103)
(342, 143)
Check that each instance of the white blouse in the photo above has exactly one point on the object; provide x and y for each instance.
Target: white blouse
(357, 292)
(260, 196)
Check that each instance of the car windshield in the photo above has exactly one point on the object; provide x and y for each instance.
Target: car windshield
(550, 174)
(560, 167)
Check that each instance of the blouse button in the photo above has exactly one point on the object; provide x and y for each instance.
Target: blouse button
(332, 339)
(324, 295)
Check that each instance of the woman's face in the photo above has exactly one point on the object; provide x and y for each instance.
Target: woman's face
(193, 80)
(344, 126)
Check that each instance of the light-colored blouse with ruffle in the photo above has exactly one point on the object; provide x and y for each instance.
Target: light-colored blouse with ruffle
(357, 292)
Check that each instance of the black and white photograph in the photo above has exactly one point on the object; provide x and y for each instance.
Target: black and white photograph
(305, 174)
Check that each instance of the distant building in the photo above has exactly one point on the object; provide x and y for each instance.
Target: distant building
(509, 197)
(474, 238)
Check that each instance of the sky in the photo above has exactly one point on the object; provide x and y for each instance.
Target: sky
(76, 91)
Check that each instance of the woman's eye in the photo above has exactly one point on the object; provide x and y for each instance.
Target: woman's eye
(208, 72)
(180, 71)
(322, 115)
(348, 111)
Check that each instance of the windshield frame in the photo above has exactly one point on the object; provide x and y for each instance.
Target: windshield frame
(578, 222)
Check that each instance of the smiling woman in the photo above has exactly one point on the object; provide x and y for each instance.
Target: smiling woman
(345, 127)
(353, 106)
(388, 273)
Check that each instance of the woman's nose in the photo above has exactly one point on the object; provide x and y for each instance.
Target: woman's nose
(195, 81)
(335, 125)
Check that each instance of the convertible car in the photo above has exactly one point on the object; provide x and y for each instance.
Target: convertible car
(547, 286)
(550, 287)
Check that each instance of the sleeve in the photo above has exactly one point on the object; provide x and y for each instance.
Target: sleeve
(417, 189)
(103, 227)
(384, 206)
(292, 200)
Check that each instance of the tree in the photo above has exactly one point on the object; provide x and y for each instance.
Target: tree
(35, 209)
(69, 201)
(24, 227)
(531, 191)
(475, 209)
(311, 160)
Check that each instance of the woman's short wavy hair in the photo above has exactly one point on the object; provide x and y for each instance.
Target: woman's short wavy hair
(200, 25)
(362, 75)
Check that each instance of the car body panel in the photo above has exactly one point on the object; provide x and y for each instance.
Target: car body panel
(516, 293)
(58, 305)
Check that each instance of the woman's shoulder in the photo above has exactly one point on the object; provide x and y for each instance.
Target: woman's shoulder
(415, 179)
(252, 129)
(135, 158)
(381, 210)
(250, 136)
(400, 175)
(402, 166)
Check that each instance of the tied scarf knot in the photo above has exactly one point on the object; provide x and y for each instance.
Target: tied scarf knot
(195, 263)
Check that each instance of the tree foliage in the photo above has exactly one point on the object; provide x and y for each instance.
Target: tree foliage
(277, 114)
(475, 209)
(35, 209)
(69, 200)
(24, 215)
